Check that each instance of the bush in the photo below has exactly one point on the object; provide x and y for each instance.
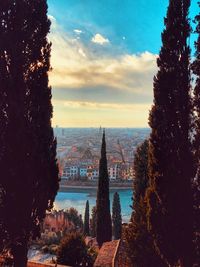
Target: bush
(45, 249)
(73, 251)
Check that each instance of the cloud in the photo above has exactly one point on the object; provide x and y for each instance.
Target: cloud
(97, 106)
(54, 24)
(99, 39)
(87, 114)
(77, 67)
(52, 18)
(77, 31)
(81, 52)
(101, 95)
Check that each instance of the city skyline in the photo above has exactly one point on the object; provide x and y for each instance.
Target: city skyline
(104, 59)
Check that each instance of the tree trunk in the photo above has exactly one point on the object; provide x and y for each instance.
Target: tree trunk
(185, 262)
(20, 255)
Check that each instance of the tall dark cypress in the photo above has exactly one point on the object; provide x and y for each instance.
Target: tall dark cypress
(29, 173)
(4, 87)
(141, 180)
(93, 222)
(140, 244)
(40, 112)
(116, 217)
(86, 226)
(15, 160)
(196, 180)
(104, 226)
(170, 160)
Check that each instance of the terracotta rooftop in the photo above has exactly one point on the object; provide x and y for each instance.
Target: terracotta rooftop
(36, 264)
(107, 254)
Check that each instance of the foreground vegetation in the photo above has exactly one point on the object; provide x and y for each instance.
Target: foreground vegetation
(163, 229)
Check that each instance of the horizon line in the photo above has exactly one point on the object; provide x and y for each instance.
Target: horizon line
(95, 127)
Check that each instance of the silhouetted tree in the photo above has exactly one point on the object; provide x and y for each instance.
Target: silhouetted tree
(73, 216)
(74, 252)
(29, 172)
(116, 217)
(93, 222)
(139, 241)
(141, 179)
(196, 180)
(170, 158)
(86, 226)
(104, 226)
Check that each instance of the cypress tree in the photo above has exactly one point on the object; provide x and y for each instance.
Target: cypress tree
(196, 180)
(93, 222)
(15, 160)
(170, 161)
(4, 87)
(139, 241)
(141, 179)
(104, 226)
(86, 227)
(73, 251)
(29, 172)
(116, 217)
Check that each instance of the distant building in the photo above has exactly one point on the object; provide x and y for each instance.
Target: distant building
(95, 173)
(87, 154)
(127, 172)
(74, 171)
(83, 171)
(66, 173)
(57, 221)
(92, 172)
(114, 172)
(131, 173)
(70, 172)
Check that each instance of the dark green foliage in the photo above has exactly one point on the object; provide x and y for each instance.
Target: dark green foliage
(92, 255)
(139, 241)
(29, 172)
(86, 226)
(116, 217)
(73, 216)
(104, 226)
(74, 252)
(196, 180)
(141, 180)
(93, 222)
(170, 159)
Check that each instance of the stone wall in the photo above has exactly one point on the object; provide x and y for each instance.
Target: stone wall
(35, 264)
(32, 264)
(57, 221)
(121, 257)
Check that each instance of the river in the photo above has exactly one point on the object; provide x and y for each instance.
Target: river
(77, 198)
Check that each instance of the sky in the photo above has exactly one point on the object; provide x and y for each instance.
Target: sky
(103, 60)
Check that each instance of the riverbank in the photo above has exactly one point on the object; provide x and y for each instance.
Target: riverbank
(77, 198)
(81, 185)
